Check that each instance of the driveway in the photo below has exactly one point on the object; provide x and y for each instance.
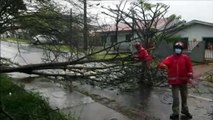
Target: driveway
(201, 69)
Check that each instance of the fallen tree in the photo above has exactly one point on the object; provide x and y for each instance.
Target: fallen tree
(144, 27)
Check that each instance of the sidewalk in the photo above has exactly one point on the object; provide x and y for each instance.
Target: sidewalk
(73, 103)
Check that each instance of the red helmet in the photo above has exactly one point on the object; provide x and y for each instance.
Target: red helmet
(178, 45)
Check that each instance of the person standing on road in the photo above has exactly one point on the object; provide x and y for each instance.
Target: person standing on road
(179, 69)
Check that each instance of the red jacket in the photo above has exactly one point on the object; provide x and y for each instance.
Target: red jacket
(143, 55)
(179, 69)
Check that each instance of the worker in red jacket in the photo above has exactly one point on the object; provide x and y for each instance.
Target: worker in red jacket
(179, 68)
(142, 54)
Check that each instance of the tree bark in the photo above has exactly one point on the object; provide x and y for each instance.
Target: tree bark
(60, 65)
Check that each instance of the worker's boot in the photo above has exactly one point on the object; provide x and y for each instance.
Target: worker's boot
(187, 114)
(174, 116)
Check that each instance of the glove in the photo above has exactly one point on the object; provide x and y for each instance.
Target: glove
(162, 66)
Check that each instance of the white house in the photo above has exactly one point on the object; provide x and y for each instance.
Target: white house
(191, 34)
(124, 32)
(108, 35)
(196, 31)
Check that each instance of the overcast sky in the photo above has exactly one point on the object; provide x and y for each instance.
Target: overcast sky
(191, 9)
(188, 9)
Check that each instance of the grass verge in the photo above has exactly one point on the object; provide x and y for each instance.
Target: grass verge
(56, 47)
(108, 56)
(209, 78)
(17, 104)
(16, 40)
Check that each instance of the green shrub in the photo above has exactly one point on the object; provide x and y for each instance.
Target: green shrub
(209, 78)
(22, 105)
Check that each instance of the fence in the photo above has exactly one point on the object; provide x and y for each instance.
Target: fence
(208, 54)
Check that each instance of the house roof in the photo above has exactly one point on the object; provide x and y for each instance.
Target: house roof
(122, 27)
(193, 22)
(112, 27)
(198, 22)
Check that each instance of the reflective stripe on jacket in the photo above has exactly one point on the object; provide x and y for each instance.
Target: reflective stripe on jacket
(179, 68)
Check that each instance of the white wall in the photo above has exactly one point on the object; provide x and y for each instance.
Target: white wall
(196, 32)
(121, 37)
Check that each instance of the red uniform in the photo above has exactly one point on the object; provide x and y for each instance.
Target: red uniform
(179, 69)
(143, 55)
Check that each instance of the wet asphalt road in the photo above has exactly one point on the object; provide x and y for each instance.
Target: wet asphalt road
(155, 102)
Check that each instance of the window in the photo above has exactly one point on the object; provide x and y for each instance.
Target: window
(113, 38)
(128, 37)
(104, 39)
(208, 43)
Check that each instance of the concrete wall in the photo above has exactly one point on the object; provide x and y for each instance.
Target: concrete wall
(196, 32)
(163, 50)
(197, 54)
(125, 46)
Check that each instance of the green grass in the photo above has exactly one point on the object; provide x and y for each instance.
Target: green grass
(16, 40)
(209, 78)
(22, 105)
(62, 48)
(108, 56)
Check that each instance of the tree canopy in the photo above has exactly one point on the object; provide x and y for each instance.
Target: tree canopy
(40, 17)
(149, 21)
(9, 11)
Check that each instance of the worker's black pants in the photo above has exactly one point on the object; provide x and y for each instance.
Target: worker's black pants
(183, 94)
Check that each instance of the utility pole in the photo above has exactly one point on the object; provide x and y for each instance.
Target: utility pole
(85, 26)
(133, 23)
(71, 38)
